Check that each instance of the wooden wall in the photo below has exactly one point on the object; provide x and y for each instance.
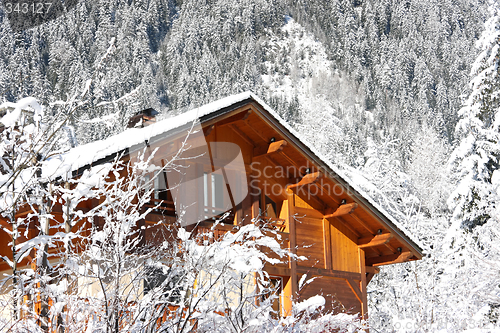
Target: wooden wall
(337, 293)
(333, 258)
(330, 249)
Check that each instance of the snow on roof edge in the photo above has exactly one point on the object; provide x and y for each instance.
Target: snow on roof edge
(62, 165)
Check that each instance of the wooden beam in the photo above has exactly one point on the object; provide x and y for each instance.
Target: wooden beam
(374, 241)
(259, 134)
(370, 272)
(242, 135)
(372, 231)
(364, 225)
(363, 283)
(274, 147)
(327, 244)
(308, 179)
(381, 260)
(355, 289)
(277, 270)
(389, 259)
(404, 256)
(302, 191)
(328, 198)
(207, 130)
(247, 114)
(347, 225)
(254, 207)
(293, 243)
(328, 272)
(372, 269)
(277, 146)
(290, 160)
(343, 210)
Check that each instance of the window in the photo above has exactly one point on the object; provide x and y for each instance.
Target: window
(214, 194)
(268, 207)
(213, 190)
(270, 212)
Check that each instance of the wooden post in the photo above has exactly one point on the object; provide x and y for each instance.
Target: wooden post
(246, 206)
(254, 195)
(364, 298)
(293, 244)
(327, 241)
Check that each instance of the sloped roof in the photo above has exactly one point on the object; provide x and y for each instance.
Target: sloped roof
(65, 165)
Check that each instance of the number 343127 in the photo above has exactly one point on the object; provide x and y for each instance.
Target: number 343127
(27, 8)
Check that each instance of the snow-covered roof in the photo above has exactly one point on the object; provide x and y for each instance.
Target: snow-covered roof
(82, 156)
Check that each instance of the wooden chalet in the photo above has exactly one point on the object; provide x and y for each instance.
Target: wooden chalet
(319, 214)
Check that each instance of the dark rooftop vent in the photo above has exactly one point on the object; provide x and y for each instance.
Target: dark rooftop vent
(143, 118)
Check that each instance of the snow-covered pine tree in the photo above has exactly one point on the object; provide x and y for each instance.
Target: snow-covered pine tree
(470, 246)
(476, 158)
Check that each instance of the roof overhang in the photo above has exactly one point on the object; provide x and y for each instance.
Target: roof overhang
(358, 197)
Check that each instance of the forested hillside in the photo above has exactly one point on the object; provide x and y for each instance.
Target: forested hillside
(379, 87)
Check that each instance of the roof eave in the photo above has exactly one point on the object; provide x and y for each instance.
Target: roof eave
(415, 248)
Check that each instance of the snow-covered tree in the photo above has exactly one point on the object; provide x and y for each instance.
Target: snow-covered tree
(32, 134)
(476, 158)
(427, 169)
(469, 246)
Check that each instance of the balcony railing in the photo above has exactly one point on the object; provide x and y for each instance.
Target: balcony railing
(165, 207)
